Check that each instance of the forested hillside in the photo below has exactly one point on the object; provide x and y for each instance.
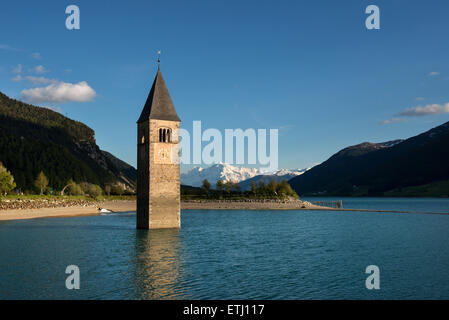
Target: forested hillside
(417, 166)
(34, 139)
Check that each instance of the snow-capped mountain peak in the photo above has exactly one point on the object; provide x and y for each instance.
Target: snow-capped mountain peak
(283, 172)
(221, 171)
(227, 172)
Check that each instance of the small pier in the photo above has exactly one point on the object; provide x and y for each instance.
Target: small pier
(336, 204)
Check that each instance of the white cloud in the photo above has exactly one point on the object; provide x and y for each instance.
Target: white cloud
(427, 110)
(40, 69)
(434, 73)
(36, 55)
(17, 69)
(34, 80)
(8, 48)
(419, 111)
(17, 78)
(55, 109)
(60, 92)
(389, 121)
(40, 80)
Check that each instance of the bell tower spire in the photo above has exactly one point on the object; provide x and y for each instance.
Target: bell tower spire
(158, 168)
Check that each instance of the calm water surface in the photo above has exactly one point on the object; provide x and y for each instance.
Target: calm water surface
(234, 255)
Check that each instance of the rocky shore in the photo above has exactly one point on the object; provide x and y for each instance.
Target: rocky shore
(45, 203)
(42, 208)
(46, 208)
(249, 204)
(23, 204)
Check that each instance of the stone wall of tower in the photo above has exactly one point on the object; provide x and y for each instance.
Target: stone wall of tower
(165, 192)
(143, 175)
(158, 190)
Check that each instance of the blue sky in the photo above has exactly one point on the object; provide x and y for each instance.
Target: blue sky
(309, 68)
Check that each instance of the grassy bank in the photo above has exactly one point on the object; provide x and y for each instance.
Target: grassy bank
(58, 197)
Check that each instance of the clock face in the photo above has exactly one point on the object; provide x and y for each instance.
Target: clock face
(162, 154)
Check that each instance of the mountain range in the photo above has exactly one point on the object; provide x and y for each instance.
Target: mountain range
(417, 166)
(277, 176)
(226, 172)
(34, 139)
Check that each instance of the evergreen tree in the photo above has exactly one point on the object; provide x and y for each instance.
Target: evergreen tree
(6, 180)
(117, 189)
(228, 186)
(254, 188)
(94, 191)
(67, 186)
(206, 186)
(271, 188)
(284, 189)
(75, 189)
(41, 182)
(262, 189)
(219, 185)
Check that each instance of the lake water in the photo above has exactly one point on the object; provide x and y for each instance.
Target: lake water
(234, 255)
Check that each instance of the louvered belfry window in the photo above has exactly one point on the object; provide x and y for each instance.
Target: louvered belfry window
(164, 135)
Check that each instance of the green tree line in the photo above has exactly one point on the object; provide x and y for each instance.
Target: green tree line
(26, 157)
(41, 186)
(232, 190)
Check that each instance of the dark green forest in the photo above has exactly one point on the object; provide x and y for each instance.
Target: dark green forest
(25, 158)
(43, 117)
(34, 139)
(417, 166)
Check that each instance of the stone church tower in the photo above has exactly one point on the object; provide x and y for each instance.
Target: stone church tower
(158, 168)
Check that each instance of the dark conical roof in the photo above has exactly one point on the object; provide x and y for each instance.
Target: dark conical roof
(159, 105)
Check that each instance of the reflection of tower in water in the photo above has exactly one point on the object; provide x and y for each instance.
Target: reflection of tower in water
(158, 274)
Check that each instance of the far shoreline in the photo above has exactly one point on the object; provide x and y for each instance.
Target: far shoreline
(90, 209)
(130, 206)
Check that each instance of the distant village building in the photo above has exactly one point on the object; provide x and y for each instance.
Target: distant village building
(158, 180)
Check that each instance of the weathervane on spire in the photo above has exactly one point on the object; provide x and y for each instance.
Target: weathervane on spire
(159, 59)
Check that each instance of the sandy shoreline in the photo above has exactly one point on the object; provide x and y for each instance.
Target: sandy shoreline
(73, 211)
(249, 205)
(130, 205)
